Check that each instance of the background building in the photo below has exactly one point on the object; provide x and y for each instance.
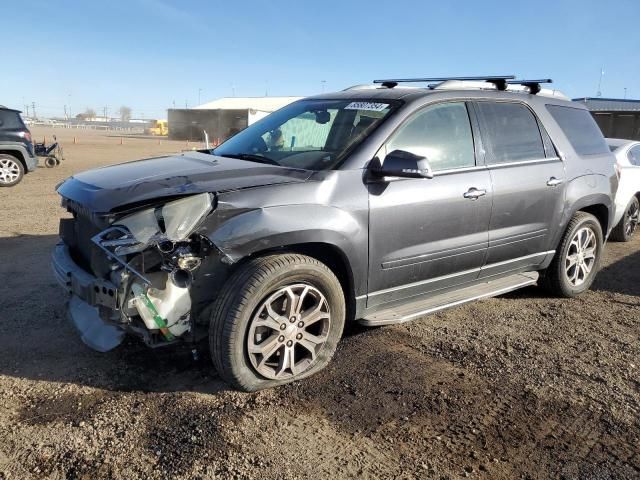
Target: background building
(617, 118)
(221, 118)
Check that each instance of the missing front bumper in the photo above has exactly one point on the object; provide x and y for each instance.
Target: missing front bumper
(87, 294)
(77, 281)
(94, 332)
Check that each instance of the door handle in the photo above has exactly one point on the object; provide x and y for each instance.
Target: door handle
(473, 193)
(554, 182)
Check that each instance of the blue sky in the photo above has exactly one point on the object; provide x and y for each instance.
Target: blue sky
(146, 54)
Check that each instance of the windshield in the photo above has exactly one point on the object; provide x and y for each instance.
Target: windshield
(308, 134)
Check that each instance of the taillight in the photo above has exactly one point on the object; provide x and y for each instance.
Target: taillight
(27, 136)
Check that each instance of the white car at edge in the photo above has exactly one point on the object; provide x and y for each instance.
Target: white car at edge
(627, 154)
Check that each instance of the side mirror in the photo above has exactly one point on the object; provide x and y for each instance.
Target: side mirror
(400, 163)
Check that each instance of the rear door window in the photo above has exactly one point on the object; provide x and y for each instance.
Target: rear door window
(581, 129)
(510, 132)
(634, 156)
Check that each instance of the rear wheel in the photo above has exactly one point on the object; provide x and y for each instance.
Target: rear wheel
(278, 319)
(623, 232)
(577, 259)
(11, 171)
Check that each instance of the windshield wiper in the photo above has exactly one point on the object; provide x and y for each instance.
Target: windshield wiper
(251, 157)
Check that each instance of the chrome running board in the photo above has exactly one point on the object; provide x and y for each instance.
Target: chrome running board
(452, 298)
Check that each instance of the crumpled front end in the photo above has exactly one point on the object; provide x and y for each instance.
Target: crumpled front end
(133, 273)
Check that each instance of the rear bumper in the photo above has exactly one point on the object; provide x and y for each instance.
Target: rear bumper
(88, 297)
(32, 163)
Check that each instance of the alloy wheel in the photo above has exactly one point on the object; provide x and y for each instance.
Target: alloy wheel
(631, 219)
(288, 331)
(581, 256)
(9, 170)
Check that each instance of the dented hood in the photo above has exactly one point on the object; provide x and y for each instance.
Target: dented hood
(105, 189)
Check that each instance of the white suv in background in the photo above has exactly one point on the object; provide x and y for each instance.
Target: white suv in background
(627, 154)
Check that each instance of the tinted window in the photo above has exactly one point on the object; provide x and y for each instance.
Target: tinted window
(442, 133)
(580, 128)
(634, 156)
(10, 119)
(511, 132)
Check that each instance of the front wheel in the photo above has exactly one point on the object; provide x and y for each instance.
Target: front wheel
(577, 259)
(623, 232)
(278, 319)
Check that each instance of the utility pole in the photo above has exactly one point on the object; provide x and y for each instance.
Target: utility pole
(599, 94)
(27, 106)
(323, 82)
(65, 113)
(33, 110)
(105, 110)
(625, 93)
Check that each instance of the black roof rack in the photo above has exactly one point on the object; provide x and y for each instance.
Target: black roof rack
(500, 81)
(534, 85)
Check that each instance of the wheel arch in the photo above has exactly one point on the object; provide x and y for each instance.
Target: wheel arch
(601, 212)
(330, 255)
(16, 153)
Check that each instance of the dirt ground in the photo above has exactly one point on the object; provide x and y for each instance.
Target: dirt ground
(520, 386)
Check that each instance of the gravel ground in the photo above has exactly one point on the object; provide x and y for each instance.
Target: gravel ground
(520, 386)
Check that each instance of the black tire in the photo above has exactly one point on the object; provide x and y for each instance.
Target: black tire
(240, 302)
(11, 171)
(623, 232)
(555, 279)
(50, 162)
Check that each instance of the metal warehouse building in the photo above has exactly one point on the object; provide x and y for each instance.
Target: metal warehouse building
(617, 118)
(221, 118)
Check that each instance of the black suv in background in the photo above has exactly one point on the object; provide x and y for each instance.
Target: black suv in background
(377, 204)
(16, 148)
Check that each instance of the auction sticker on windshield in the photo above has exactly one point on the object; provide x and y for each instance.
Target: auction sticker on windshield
(370, 106)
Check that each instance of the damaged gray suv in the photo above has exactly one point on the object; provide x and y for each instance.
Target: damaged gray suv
(378, 204)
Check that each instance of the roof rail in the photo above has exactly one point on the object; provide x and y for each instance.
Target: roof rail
(500, 81)
(534, 85)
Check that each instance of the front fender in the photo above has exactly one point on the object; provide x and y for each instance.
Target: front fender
(278, 226)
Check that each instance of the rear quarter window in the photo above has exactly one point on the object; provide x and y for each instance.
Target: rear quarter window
(634, 156)
(10, 119)
(581, 129)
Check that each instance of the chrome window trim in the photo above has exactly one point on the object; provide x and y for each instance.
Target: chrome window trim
(450, 171)
(524, 162)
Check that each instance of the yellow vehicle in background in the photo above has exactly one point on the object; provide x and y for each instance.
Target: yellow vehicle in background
(158, 127)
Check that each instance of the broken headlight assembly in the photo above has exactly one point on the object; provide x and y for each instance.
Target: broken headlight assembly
(155, 252)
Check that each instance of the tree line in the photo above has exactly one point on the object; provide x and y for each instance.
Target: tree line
(124, 113)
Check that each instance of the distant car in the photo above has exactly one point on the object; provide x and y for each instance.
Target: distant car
(627, 154)
(16, 148)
